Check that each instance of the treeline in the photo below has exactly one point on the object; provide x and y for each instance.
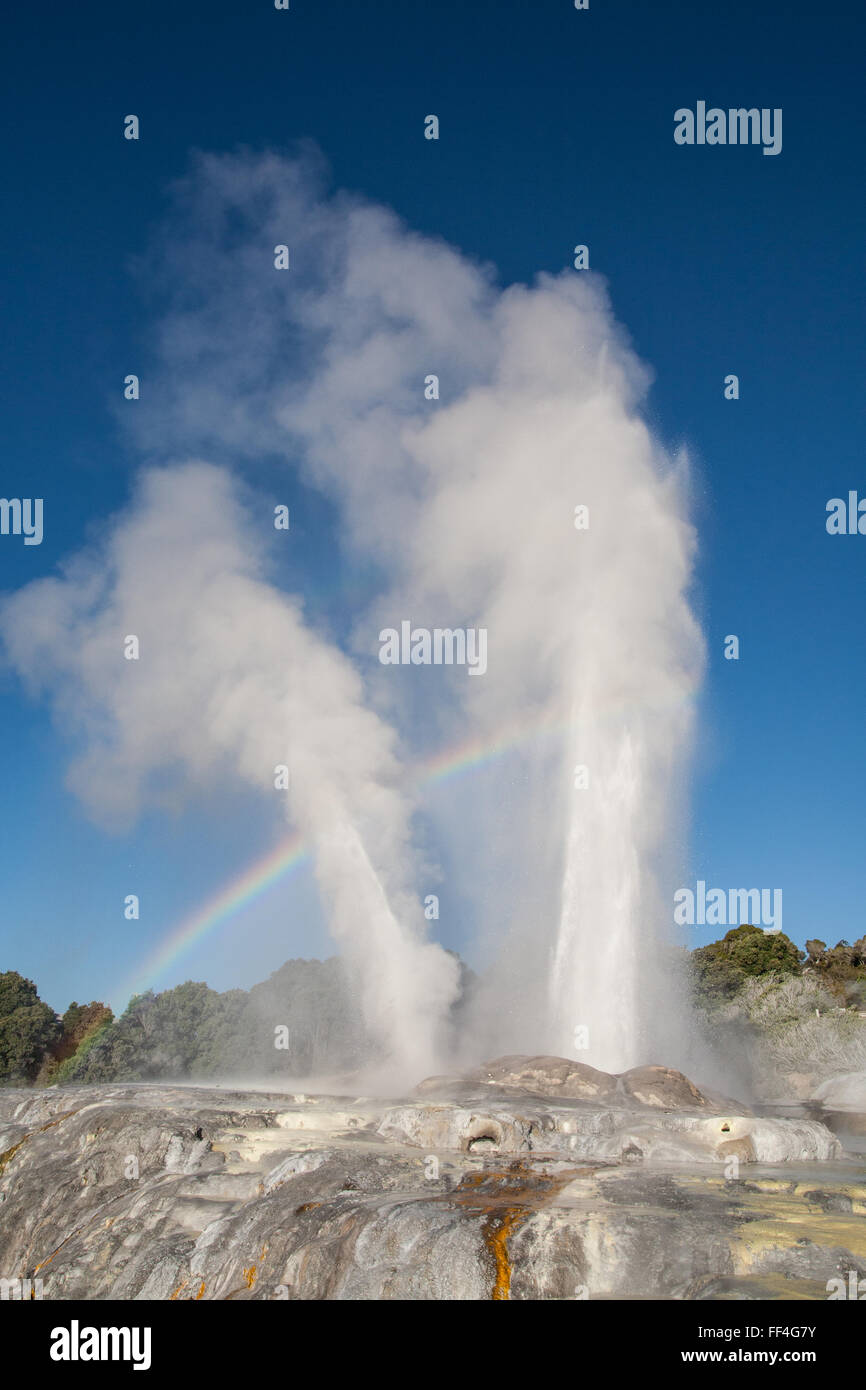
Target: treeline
(303, 1021)
(783, 1019)
(721, 969)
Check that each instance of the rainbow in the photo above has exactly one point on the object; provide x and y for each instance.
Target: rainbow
(476, 752)
(293, 852)
(279, 863)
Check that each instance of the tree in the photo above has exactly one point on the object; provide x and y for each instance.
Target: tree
(757, 952)
(28, 1028)
(183, 1032)
(721, 968)
(842, 968)
(79, 1021)
(81, 1025)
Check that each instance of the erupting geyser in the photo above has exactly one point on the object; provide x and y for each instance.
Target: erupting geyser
(636, 656)
(523, 496)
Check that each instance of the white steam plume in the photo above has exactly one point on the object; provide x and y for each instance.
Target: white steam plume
(231, 682)
(466, 504)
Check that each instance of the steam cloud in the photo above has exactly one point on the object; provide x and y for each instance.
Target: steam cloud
(465, 505)
(231, 680)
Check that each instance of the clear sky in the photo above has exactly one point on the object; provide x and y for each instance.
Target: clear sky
(557, 128)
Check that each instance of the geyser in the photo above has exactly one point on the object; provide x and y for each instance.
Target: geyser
(527, 500)
(230, 683)
(636, 654)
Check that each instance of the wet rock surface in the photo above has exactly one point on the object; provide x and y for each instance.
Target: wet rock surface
(528, 1178)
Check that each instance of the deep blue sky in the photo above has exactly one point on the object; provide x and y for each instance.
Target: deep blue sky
(557, 128)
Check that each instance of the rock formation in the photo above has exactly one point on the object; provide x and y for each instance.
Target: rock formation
(528, 1178)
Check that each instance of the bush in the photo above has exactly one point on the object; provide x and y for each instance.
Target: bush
(798, 1026)
(722, 968)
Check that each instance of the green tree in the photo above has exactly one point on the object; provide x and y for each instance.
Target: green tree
(81, 1024)
(28, 1028)
(721, 968)
(757, 952)
(841, 968)
(180, 1033)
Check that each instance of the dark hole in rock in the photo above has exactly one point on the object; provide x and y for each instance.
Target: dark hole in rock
(482, 1143)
